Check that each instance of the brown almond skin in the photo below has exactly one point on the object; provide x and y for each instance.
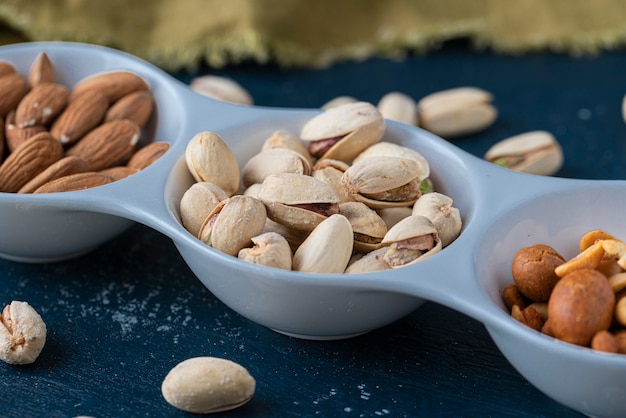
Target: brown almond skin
(42, 71)
(109, 144)
(6, 68)
(13, 88)
(148, 154)
(533, 271)
(81, 115)
(119, 172)
(14, 135)
(581, 304)
(113, 84)
(41, 104)
(74, 182)
(64, 167)
(136, 106)
(28, 160)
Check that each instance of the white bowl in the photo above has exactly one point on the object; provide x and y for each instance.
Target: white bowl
(502, 212)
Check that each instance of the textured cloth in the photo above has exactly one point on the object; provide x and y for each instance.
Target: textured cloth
(314, 33)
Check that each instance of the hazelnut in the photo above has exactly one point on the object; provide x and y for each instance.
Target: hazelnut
(533, 271)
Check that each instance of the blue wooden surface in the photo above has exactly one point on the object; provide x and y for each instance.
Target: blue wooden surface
(120, 317)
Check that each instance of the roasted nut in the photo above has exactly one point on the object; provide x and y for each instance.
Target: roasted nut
(438, 208)
(411, 240)
(63, 167)
(221, 88)
(536, 152)
(270, 249)
(338, 101)
(203, 385)
(370, 262)
(513, 297)
(273, 161)
(286, 140)
(22, 333)
(533, 271)
(41, 104)
(342, 132)
(197, 203)
(368, 228)
(210, 159)
(604, 341)
(41, 71)
(588, 259)
(456, 112)
(399, 107)
(581, 304)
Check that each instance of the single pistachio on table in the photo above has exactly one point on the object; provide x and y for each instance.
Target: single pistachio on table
(328, 247)
(342, 132)
(368, 227)
(203, 385)
(273, 161)
(270, 249)
(221, 88)
(22, 333)
(330, 171)
(534, 152)
(287, 140)
(384, 181)
(209, 158)
(297, 201)
(438, 208)
(370, 262)
(197, 203)
(411, 240)
(399, 107)
(456, 112)
(233, 223)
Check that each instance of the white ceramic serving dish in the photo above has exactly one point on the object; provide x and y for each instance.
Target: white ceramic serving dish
(502, 211)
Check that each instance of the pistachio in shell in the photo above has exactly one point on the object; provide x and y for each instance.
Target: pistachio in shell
(411, 240)
(273, 161)
(209, 159)
(286, 140)
(342, 132)
(197, 203)
(440, 210)
(370, 262)
(270, 249)
(328, 247)
(368, 227)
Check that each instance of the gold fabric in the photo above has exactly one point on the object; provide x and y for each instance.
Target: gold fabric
(182, 33)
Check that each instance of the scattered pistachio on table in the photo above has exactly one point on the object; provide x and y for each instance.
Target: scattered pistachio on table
(22, 333)
(221, 88)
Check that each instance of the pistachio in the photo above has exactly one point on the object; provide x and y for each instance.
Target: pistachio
(392, 216)
(390, 149)
(372, 261)
(287, 140)
(535, 152)
(22, 333)
(273, 161)
(197, 203)
(411, 240)
(328, 247)
(221, 88)
(330, 171)
(384, 181)
(344, 131)
(203, 385)
(399, 107)
(338, 101)
(298, 201)
(270, 249)
(210, 159)
(368, 228)
(456, 112)
(233, 223)
(438, 208)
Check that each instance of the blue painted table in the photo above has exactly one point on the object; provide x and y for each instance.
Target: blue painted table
(120, 317)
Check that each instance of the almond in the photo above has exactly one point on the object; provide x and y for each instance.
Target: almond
(73, 182)
(148, 154)
(64, 167)
(136, 106)
(41, 71)
(28, 160)
(41, 104)
(81, 115)
(14, 135)
(109, 144)
(13, 87)
(113, 84)
(6, 68)
(119, 172)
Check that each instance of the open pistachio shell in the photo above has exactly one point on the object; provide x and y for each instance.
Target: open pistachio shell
(327, 249)
(270, 249)
(344, 131)
(372, 261)
(197, 203)
(232, 224)
(369, 228)
(390, 149)
(534, 152)
(438, 208)
(384, 181)
(411, 240)
(330, 171)
(297, 201)
(273, 161)
(286, 140)
(210, 159)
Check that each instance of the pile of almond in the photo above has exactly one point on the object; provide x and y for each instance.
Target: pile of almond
(57, 139)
